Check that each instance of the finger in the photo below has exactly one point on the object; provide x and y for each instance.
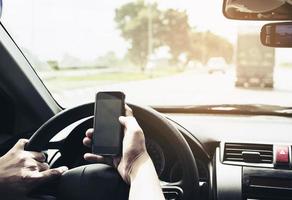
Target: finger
(43, 166)
(94, 158)
(129, 111)
(87, 142)
(123, 120)
(89, 133)
(21, 144)
(128, 121)
(38, 156)
(52, 173)
(30, 164)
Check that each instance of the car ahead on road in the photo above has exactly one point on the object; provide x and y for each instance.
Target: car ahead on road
(216, 64)
(207, 138)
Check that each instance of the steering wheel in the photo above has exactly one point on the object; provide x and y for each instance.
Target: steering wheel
(100, 181)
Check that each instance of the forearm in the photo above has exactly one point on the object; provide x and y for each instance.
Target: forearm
(144, 181)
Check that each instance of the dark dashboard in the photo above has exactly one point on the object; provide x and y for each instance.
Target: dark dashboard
(240, 156)
(237, 156)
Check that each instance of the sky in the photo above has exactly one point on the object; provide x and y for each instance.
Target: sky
(86, 29)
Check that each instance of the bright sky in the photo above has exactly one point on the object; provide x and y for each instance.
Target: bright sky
(86, 29)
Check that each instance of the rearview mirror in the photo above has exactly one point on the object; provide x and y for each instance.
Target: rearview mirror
(277, 34)
(258, 9)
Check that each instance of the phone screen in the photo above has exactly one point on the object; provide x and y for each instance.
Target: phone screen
(107, 128)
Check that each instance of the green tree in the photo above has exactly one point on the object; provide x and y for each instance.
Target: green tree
(204, 45)
(132, 20)
(175, 32)
(218, 46)
(169, 28)
(196, 47)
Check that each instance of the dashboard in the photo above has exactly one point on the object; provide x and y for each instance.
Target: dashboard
(240, 156)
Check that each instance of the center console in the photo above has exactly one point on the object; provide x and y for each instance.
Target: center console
(252, 171)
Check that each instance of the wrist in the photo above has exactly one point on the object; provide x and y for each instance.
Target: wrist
(141, 162)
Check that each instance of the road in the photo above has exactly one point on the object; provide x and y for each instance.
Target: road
(190, 88)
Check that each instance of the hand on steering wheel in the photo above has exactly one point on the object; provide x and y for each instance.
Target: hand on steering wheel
(22, 171)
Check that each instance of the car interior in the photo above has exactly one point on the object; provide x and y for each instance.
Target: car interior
(221, 150)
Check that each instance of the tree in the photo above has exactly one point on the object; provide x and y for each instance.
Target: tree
(196, 47)
(204, 45)
(175, 32)
(218, 46)
(170, 28)
(132, 20)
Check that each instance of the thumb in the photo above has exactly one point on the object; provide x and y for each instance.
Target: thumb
(123, 120)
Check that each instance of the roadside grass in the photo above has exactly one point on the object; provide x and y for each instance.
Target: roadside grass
(108, 76)
(59, 83)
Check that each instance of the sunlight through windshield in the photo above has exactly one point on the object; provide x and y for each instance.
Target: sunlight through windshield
(158, 52)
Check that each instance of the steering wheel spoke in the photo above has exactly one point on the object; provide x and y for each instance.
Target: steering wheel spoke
(56, 144)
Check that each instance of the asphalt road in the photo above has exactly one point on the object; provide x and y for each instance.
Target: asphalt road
(190, 88)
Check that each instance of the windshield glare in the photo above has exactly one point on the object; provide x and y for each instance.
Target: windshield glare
(174, 52)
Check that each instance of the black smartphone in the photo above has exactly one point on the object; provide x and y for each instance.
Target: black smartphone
(107, 134)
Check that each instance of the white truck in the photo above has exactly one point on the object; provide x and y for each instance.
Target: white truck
(254, 62)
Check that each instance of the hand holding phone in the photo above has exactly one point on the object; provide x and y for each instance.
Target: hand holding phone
(107, 135)
(134, 148)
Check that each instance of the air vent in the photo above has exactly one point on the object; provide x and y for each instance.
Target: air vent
(250, 153)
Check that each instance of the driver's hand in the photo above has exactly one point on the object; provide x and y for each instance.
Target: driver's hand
(21, 171)
(134, 149)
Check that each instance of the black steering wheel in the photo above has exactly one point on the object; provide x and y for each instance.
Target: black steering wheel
(99, 181)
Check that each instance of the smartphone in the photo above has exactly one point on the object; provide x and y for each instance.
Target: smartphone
(107, 134)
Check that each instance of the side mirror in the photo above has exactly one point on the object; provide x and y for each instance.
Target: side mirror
(277, 34)
(258, 9)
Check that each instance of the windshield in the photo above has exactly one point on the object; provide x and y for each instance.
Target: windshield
(174, 52)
